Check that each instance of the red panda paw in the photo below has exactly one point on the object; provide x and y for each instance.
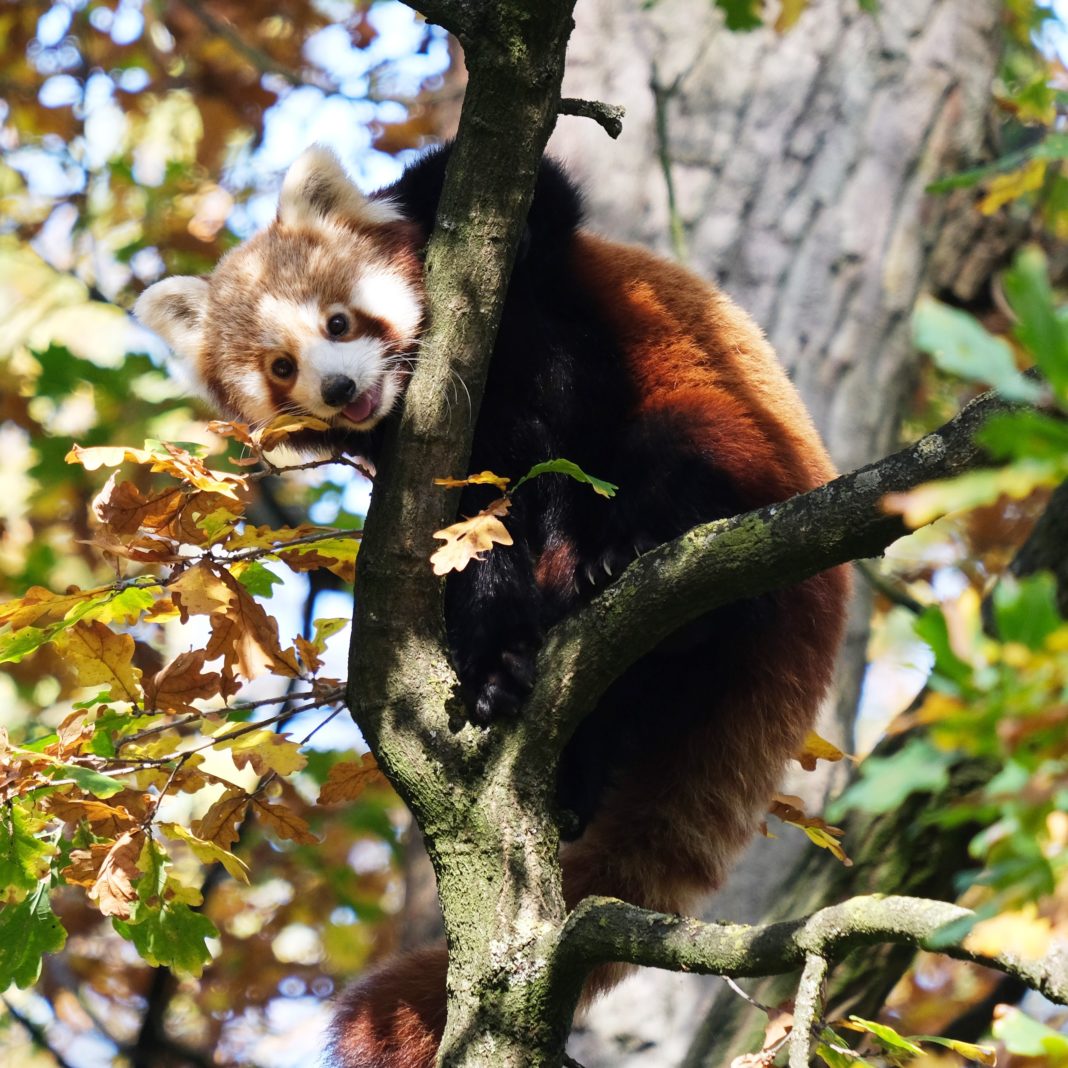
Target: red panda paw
(506, 687)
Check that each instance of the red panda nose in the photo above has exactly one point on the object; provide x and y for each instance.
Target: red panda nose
(338, 390)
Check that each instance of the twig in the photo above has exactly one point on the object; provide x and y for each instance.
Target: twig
(808, 1009)
(893, 592)
(608, 116)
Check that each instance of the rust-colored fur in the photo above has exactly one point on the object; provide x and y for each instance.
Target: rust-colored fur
(641, 373)
(668, 835)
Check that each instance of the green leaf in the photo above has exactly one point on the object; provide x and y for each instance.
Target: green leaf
(1025, 435)
(92, 782)
(832, 1058)
(1040, 328)
(742, 14)
(566, 467)
(1028, 1038)
(885, 782)
(1026, 609)
(171, 936)
(960, 345)
(18, 643)
(983, 1054)
(28, 931)
(24, 858)
(165, 931)
(886, 1036)
(933, 629)
(258, 579)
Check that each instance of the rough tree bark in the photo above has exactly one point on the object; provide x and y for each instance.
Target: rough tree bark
(791, 169)
(484, 798)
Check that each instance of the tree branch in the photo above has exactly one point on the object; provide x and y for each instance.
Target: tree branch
(717, 563)
(608, 116)
(602, 930)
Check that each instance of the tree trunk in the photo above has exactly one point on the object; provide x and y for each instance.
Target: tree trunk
(791, 169)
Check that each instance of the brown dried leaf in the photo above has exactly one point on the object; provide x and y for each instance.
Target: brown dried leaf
(221, 824)
(791, 809)
(349, 778)
(107, 820)
(113, 888)
(284, 822)
(181, 682)
(309, 654)
(465, 540)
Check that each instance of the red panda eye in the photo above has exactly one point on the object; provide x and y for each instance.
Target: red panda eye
(337, 325)
(283, 367)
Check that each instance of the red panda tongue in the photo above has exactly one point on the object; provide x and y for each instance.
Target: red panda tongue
(363, 406)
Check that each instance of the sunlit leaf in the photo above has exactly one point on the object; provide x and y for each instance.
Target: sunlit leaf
(28, 930)
(468, 539)
(24, 857)
(572, 470)
(885, 782)
(960, 345)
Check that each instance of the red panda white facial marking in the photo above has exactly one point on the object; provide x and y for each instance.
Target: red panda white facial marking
(317, 315)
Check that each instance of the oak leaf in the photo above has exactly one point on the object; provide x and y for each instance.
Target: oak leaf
(349, 778)
(467, 539)
(284, 822)
(791, 809)
(200, 591)
(208, 852)
(483, 478)
(263, 749)
(221, 824)
(100, 657)
(180, 682)
(113, 888)
(815, 748)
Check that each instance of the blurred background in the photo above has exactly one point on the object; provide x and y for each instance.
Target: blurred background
(828, 163)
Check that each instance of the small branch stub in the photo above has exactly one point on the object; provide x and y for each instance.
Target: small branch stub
(608, 116)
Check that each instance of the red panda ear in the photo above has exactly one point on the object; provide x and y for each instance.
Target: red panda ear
(176, 309)
(317, 189)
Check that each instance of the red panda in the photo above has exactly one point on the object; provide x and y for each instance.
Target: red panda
(644, 375)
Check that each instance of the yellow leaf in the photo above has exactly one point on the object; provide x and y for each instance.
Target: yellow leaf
(789, 14)
(279, 428)
(1004, 188)
(106, 456)
(1023, 932)
(200, 591)
(208, 852)
(100, 657)
(815, 748)
(791, 809)
(464, 541)
(263, 749)
(40, 607)
(483, 478)
(349, 778)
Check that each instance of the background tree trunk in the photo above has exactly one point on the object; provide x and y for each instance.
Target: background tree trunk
(791, 169)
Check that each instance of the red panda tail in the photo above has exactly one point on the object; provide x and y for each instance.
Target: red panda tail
(395, 1015)
(666, 833)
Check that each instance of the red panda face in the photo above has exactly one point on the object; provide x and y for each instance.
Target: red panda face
(318, 315)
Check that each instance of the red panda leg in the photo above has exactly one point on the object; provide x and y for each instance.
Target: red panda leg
(394, 1016)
